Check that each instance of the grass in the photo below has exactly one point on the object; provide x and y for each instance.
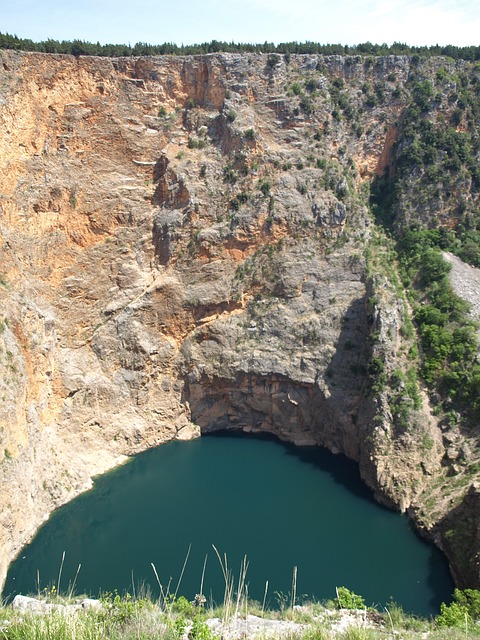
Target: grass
(128, 618)
(172, 617)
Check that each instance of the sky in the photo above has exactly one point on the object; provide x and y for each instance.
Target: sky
(414, 22)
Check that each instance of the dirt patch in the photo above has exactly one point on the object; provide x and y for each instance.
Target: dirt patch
(465, 281)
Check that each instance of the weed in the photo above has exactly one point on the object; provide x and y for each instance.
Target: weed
(72, 199)
(265, 188)
(196, 143)
(229, 175)
(302, 188)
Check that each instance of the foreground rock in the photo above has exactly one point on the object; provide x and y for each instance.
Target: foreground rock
(34, 605)
(252, 626)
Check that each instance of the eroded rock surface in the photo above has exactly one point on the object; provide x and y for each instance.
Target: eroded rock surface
(187, 246)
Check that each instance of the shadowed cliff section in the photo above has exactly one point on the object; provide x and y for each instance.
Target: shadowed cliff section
(457, 534)
(289, 404)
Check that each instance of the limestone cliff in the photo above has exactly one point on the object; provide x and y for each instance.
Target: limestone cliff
(187, 246)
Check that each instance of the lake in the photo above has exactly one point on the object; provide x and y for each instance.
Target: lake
(280, 506)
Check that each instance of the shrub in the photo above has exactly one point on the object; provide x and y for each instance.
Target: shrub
(296, 89)
(183, 607)
(229, 175)
(240, 198)
(265, 187)
(307, 105)
(347, 599)
(302, 188)
(273, 60)
(195, 143)
(200, 630)
(377, 375)
(470, 599)
(453, 615)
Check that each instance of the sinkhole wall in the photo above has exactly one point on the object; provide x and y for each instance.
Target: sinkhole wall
(187, 244)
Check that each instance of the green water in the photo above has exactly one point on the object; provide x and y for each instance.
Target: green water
(282, 507)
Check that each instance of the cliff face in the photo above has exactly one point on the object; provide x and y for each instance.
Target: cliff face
(187, 246)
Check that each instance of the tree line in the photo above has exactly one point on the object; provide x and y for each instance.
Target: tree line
(84, 48)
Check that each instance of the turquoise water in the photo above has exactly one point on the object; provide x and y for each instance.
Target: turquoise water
(281, 506)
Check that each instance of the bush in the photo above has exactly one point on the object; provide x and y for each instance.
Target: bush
(238, 200)
(183, 607)
(433, 266)
(422, 94)
(377, 375)
(195, 143)
(307, 105)
(347, 599)
(273, 60)
(265, 187)
(453, 615)
(229, 175)
(470, 599)
(200, 630)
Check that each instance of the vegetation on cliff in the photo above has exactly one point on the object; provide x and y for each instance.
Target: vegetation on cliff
(429, 198)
